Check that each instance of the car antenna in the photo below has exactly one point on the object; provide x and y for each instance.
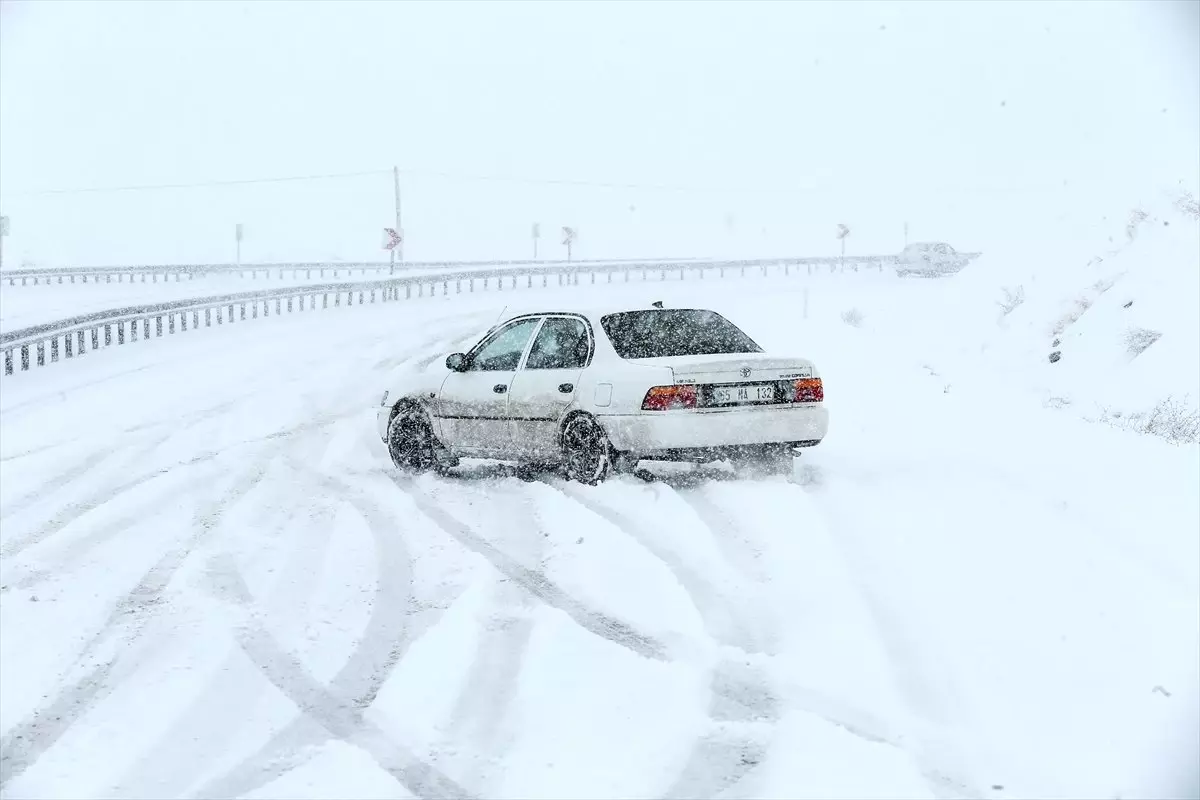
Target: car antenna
(657, 303)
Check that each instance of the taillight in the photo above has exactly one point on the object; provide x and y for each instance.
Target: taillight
(663, 398)
(808, 390)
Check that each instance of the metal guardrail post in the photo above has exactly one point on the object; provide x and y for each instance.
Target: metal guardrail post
(24, 357)
(81, 347)
(41, 354)
(53, 349)
(8, 361)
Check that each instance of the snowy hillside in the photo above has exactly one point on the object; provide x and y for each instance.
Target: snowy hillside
(1117, 298)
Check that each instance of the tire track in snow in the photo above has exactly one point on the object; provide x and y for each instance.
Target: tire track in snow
(493, 678)
(341, 720)
(197, 737)
(74, 510)
(744, 711)
(66, 478)
(78, 550)
(929, 751)
(742, 705)
(30, 739)
(535, 582)
(385, 639)
(492, 682)
(738, 549)
(724, 623)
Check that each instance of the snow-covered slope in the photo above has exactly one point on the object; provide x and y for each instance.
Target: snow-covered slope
(1115, 299)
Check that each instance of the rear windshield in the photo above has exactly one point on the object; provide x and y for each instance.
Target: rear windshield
(674, 332)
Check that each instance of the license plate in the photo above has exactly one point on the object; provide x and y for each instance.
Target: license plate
(722, 395)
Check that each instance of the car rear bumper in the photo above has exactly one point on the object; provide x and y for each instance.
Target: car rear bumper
(670, 432)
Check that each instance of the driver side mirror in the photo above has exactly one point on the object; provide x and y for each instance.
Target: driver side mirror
(456, 362)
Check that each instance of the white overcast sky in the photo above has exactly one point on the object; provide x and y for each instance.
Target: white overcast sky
(973, 122)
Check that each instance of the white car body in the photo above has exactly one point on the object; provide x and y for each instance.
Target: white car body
(932, 260)
(518, 414)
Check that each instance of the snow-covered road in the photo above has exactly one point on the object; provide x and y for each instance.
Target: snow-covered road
(215, 585)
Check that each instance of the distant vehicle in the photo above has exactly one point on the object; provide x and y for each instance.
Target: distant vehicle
(931, 260)
(595, 392)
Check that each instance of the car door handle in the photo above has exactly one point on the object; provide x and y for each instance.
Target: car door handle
(500, 388)
(566, 388)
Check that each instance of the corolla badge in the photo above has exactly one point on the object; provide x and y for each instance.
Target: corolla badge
(745, 372)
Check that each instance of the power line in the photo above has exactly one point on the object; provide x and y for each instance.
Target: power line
(415, 172)
(600, 184)
(204, 184)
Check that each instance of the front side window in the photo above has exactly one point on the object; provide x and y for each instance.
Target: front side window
(502, 352)
(562, 343)
(674, 332)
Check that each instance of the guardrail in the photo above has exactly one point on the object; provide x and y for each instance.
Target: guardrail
(70, 338)
(178, 272)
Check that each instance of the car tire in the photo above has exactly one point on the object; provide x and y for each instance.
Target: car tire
(623, 463)
(411, 442)
(587, 452)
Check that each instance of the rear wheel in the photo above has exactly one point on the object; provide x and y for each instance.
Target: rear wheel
(587, 453)
(411, 442)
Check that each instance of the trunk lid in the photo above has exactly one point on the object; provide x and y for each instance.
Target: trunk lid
(734, 368)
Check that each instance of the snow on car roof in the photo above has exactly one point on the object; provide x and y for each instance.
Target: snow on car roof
(592, 312)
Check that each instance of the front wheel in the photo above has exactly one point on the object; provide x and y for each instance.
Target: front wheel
(410, 441)
(587, 453)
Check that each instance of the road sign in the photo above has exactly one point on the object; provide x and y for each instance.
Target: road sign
(237, 231)
(568, 235)
(3, 226)
(843, 231)
(392, 238)
(537, 230)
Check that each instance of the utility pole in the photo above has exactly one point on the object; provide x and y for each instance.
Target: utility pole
(842, 233)
(399, 230)
(906, 234)
(537, 232)
(3, 233)
(237, 235)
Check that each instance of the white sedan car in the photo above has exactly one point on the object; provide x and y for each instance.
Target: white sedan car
(595, 392)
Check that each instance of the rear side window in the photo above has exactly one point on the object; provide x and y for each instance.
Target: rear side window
(562, 343)
(674, 332)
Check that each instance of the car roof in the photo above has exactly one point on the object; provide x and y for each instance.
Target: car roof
(592, 313)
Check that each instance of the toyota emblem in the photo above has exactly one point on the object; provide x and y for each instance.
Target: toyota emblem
(745, 372)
